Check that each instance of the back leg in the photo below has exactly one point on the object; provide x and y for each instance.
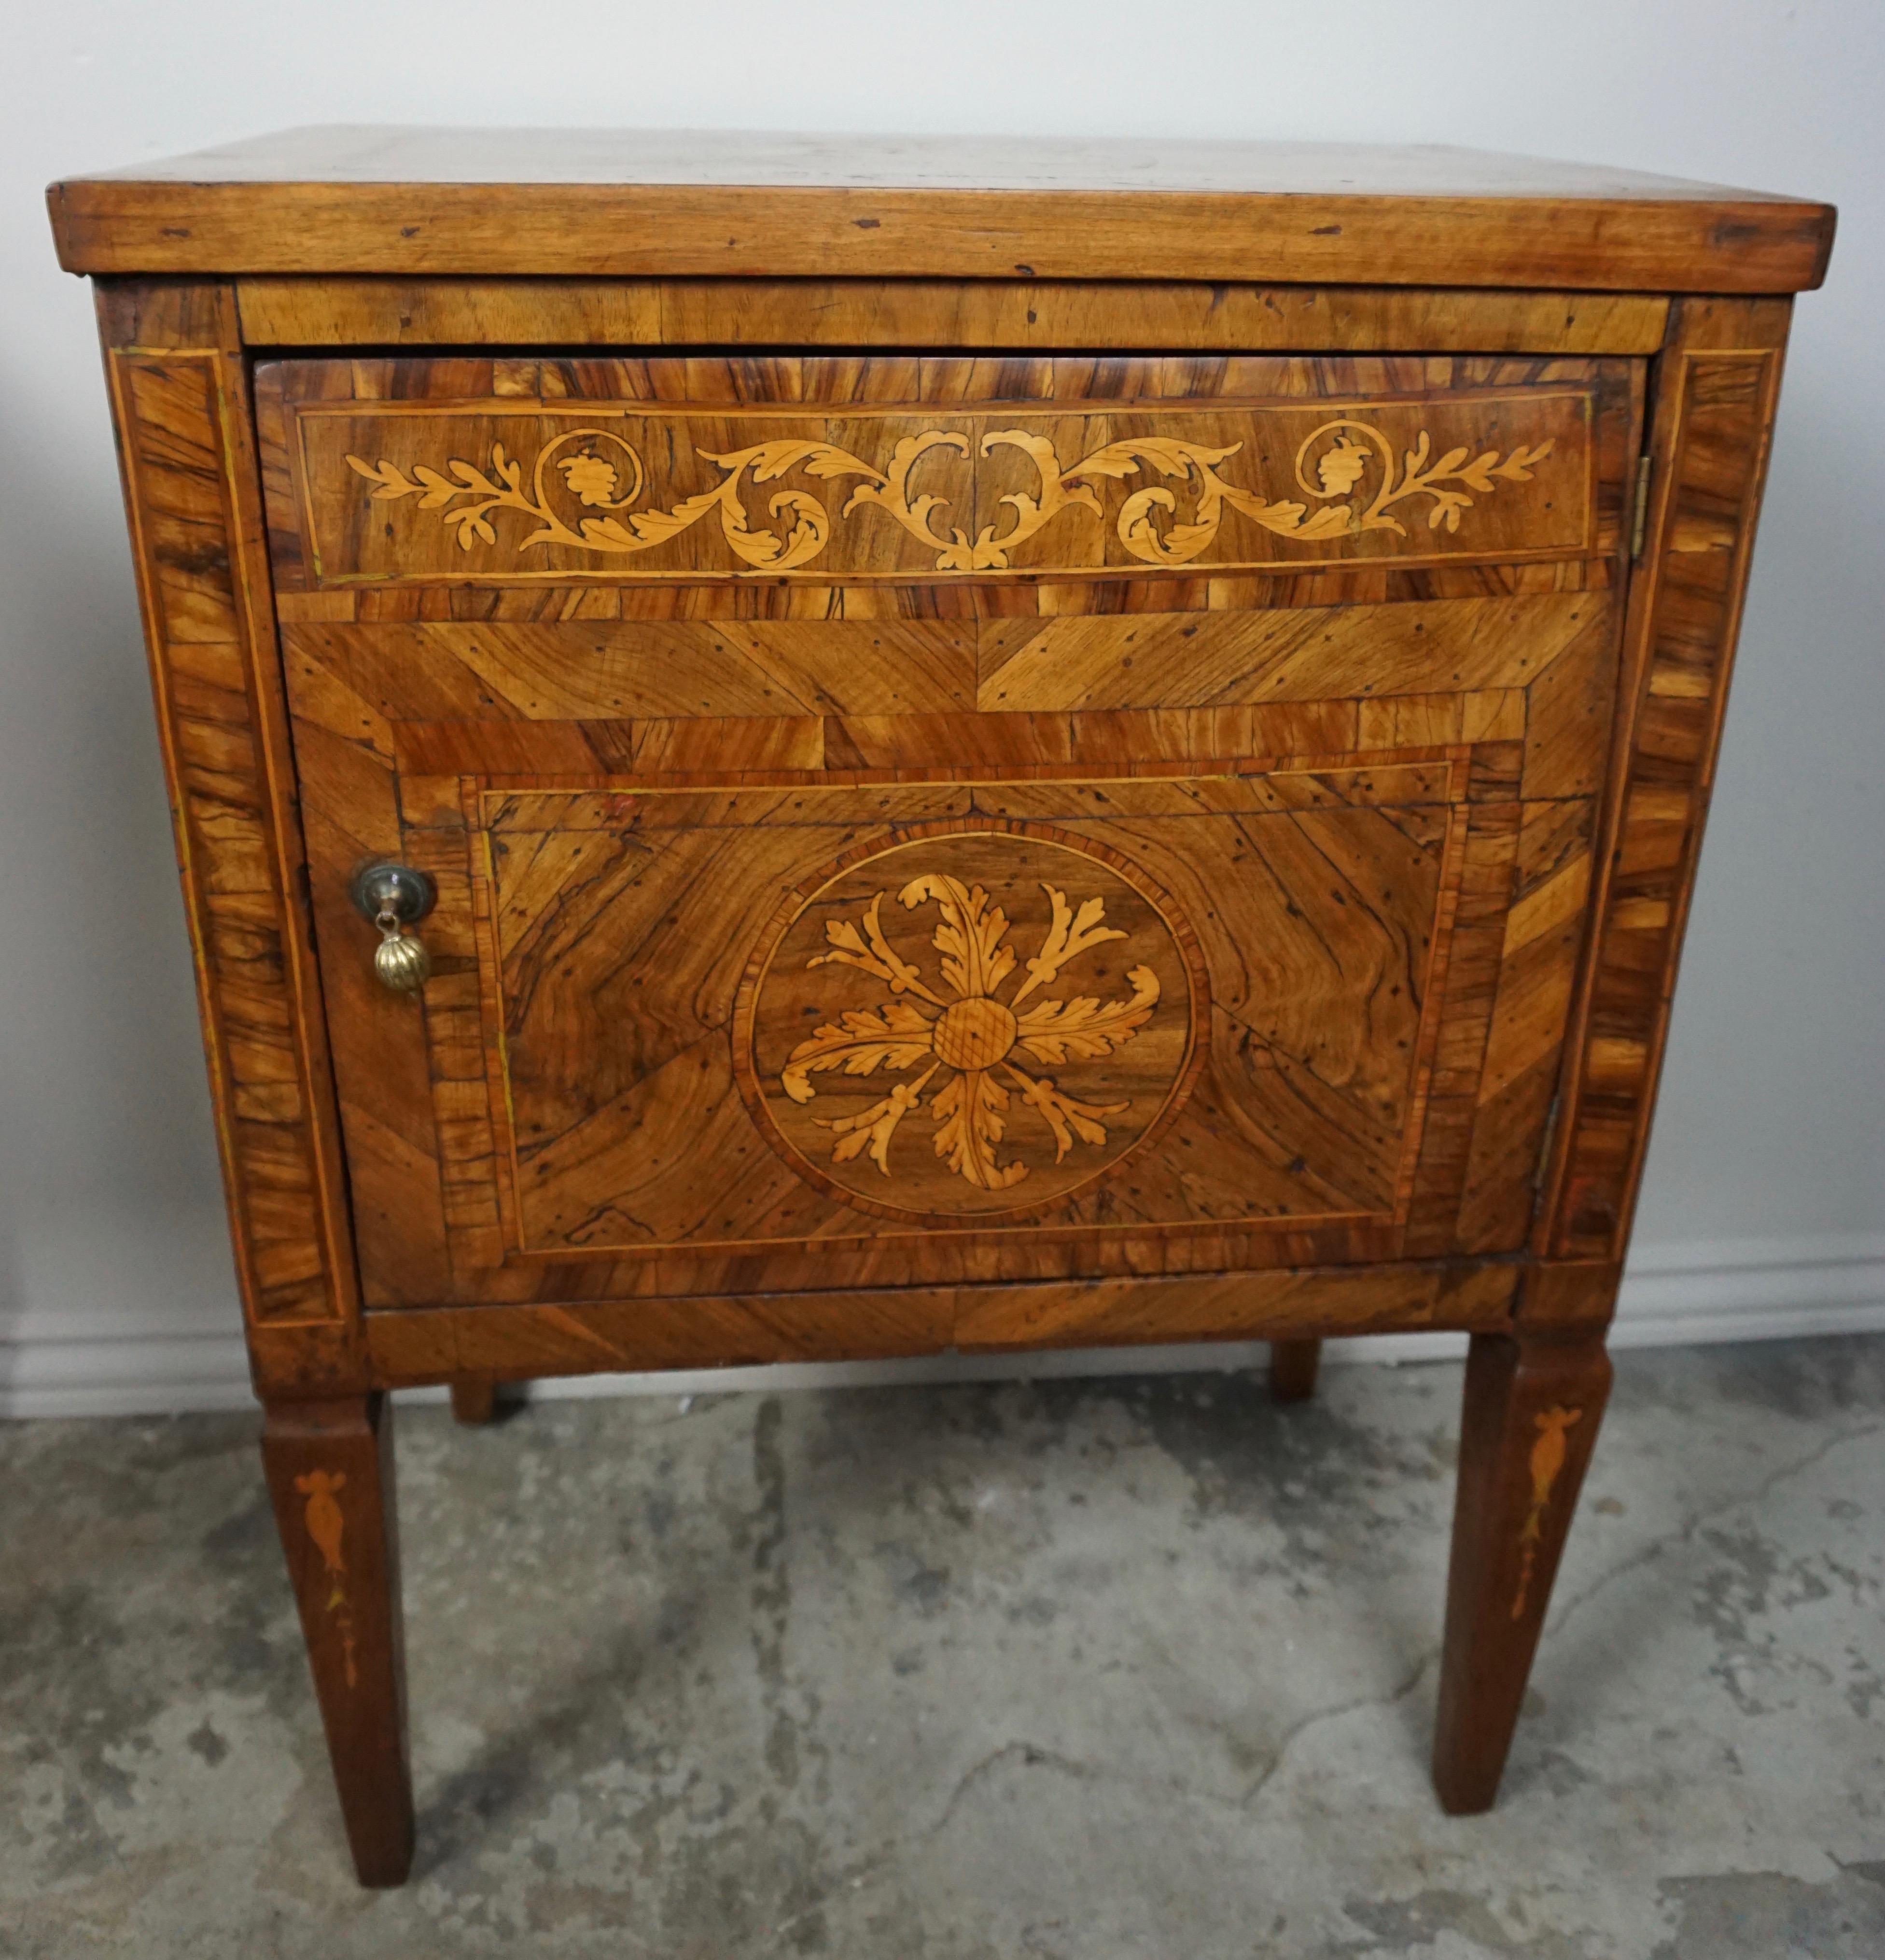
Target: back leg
(474, 1402)
(1293, 1365)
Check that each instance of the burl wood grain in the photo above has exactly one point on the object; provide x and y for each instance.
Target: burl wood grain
(178, 394)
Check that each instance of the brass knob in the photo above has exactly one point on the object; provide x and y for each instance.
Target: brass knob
(394, 896)
(403, 964)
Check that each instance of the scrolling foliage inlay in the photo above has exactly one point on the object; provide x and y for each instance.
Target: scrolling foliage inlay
(973, 1038)
(1334, 465)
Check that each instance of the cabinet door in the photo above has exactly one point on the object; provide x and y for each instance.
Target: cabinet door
(906, 820)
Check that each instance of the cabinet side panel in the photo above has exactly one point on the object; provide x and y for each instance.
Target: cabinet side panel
(1717, 389)
(193, 494)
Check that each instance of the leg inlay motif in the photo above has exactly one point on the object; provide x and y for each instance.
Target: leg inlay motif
(1547, 1460)
(327, 1523)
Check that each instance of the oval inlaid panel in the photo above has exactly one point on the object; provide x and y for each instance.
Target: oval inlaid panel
(970, 1022)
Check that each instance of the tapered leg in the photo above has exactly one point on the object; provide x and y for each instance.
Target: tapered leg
(1532, 1405)
(330, 1469)
(1293, 1366)
(474, 1402)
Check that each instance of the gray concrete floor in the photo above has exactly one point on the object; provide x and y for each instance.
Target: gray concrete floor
(1081, 1669)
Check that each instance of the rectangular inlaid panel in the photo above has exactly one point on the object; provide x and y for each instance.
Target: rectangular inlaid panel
(906, 469)
(729, 1017)
(1373, 823)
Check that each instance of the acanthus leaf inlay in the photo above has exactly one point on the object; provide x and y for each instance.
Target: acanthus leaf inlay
(975, 1037)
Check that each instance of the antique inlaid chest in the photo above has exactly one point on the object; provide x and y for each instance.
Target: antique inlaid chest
(786, 750)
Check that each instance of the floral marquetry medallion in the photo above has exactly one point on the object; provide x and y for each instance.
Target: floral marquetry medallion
(970, 1023)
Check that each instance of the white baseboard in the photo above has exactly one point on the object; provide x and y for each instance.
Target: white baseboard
(135, 1355)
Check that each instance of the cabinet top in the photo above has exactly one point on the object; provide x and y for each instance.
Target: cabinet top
(649, 203)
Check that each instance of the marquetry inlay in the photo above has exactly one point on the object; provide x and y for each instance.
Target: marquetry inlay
(1546, 1465)
(603, 471)
(326, 1526)
(988, 785)
(1020, 1004)
(526, 489)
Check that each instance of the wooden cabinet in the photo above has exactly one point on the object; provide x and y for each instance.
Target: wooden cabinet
(963, 901)
(963, 804)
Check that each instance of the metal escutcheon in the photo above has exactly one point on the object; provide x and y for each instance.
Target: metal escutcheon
(394, 896)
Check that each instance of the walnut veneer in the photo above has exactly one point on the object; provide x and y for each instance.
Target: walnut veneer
(1017, 747)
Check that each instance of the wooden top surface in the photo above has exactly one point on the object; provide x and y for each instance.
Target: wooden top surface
(689, 203)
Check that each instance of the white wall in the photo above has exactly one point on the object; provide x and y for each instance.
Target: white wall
(1769, 1160)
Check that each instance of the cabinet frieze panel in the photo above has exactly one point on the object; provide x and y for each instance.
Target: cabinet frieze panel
(506, 491)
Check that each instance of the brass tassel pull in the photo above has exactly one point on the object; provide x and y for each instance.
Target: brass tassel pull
(395, 896)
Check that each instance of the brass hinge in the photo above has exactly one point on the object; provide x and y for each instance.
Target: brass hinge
(1641, 526)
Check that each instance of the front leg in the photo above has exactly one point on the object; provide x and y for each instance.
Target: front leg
(1533, 1405)
(329, 1467)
